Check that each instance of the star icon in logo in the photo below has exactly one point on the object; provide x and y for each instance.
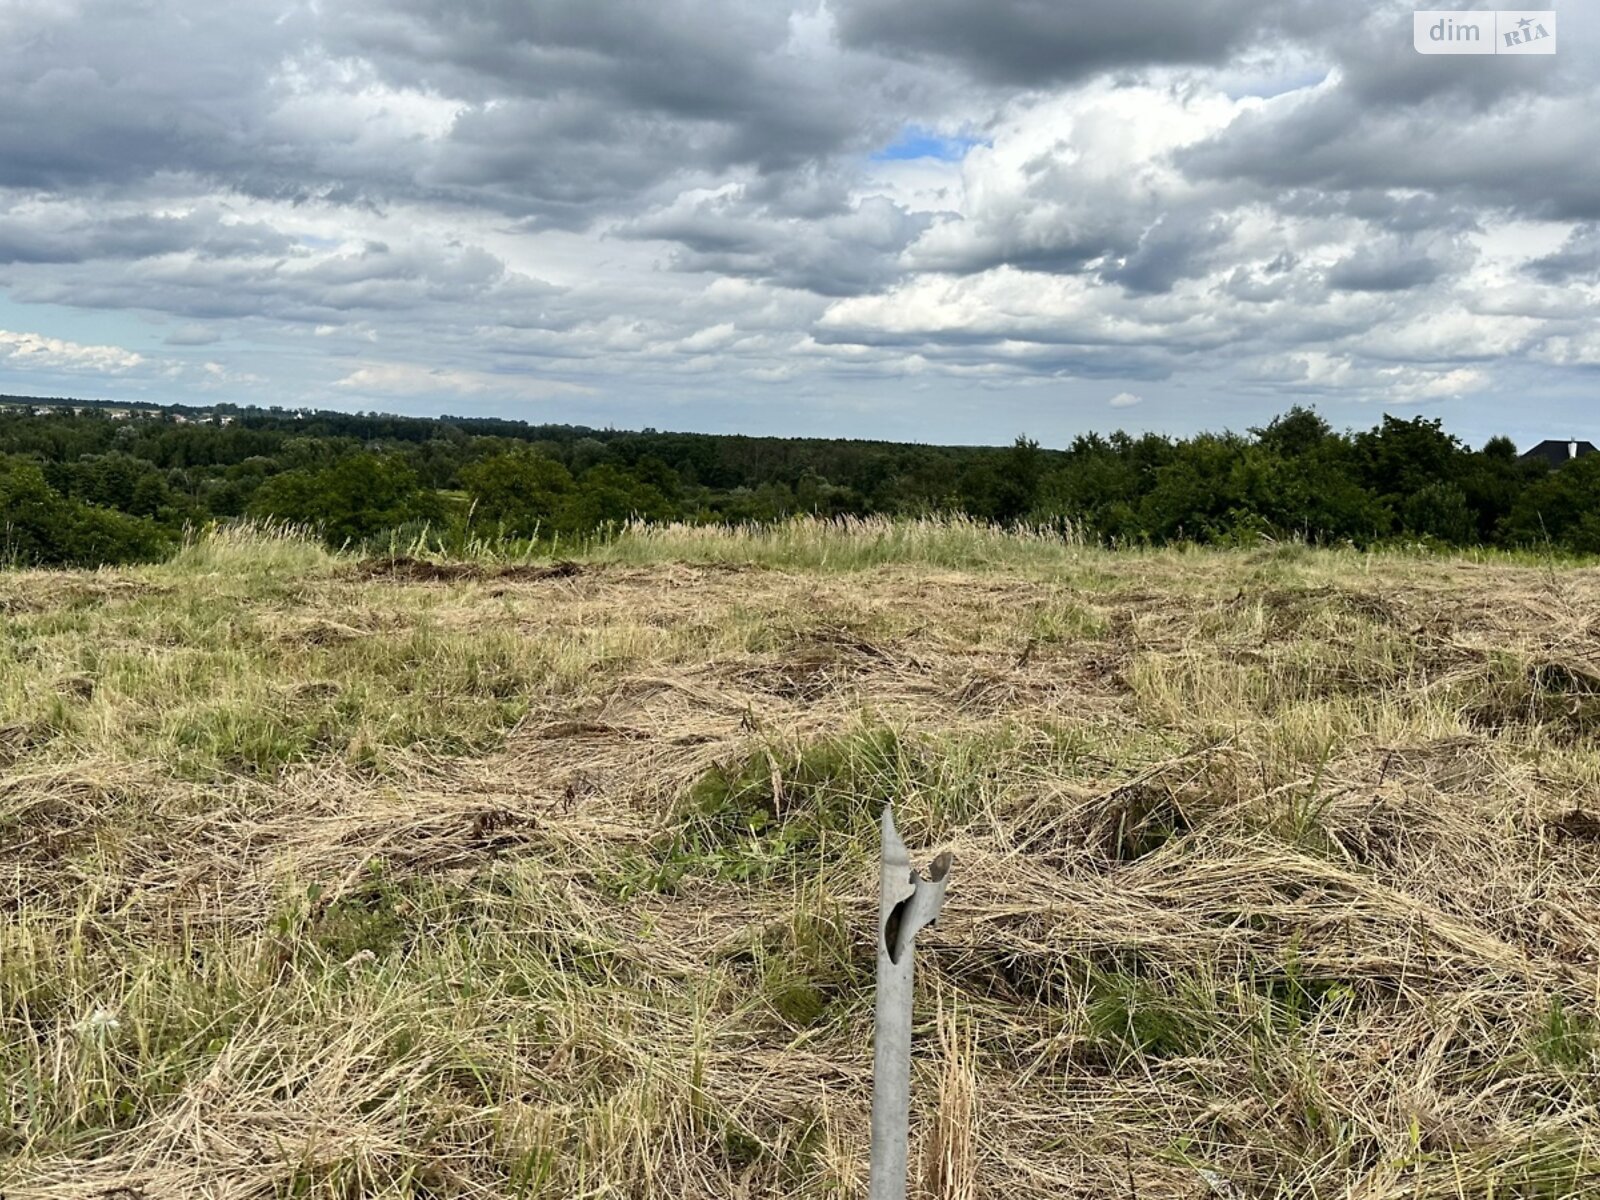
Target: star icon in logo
(1524, 23)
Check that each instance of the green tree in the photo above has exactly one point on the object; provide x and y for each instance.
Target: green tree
(1440, 510)
(1001, 489)
(1025, 467)
(1400, 458)
(1492, 481)
(1562, 508)
(521, 493)
(608, 495)
(651, 470)
(1294, 433)
(1316, 495)
(1208, 492)
(354, 498)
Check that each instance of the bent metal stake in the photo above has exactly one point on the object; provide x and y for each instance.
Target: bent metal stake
(906, 902)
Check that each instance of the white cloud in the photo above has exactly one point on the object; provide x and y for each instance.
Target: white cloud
(414, 379)
(32, 350)
(217, 376)
(1073, 177)
(1125, 400)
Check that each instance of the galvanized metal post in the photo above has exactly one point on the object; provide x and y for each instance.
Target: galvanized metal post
(906, 902)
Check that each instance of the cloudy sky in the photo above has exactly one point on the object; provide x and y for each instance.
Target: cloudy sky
(941, 220)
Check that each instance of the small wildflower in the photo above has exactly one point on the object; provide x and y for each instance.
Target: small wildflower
(100, 1022)
(1219, 1184)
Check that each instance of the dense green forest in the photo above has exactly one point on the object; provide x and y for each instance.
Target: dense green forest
(87, 484)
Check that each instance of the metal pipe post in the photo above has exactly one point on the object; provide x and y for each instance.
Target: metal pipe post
(906, 903)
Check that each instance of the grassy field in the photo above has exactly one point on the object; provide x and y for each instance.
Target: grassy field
(1277, 871)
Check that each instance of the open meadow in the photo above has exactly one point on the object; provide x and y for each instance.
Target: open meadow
(1277, 871)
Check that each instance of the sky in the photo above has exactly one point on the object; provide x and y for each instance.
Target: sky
(929, 220)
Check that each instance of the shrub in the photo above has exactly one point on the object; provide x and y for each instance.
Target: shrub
(41, 527)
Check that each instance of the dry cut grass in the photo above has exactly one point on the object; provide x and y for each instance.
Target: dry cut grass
(1277, 872)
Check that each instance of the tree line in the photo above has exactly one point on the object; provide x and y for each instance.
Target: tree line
(86, 488)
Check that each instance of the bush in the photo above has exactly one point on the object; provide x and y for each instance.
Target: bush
(1562, 509)
(41, 527)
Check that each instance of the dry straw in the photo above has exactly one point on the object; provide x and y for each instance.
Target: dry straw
(1280, 871)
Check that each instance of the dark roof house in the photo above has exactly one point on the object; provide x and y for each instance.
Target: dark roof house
(1555, 453)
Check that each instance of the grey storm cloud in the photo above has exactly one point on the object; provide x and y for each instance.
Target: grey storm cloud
(193, 335)
(1026, 43)
(723, 65)
(1449, 132)
(1381, 70)
(563, 109)
(1398, 211)
(1391, 265)
(1532, 156)
(102, 92)
(1578, 258)
(838, 254)
(692, 194)
(1369, 273)
(575, 108)
(376, 279)
(46, 236)
(1174, 248)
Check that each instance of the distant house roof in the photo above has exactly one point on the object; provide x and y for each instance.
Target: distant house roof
(1555, 453)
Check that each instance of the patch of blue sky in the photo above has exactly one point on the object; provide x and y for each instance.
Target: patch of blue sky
(1267, 86)
(89, 327)
(916, 141)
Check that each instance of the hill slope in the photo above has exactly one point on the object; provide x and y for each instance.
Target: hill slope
(1275, 872)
